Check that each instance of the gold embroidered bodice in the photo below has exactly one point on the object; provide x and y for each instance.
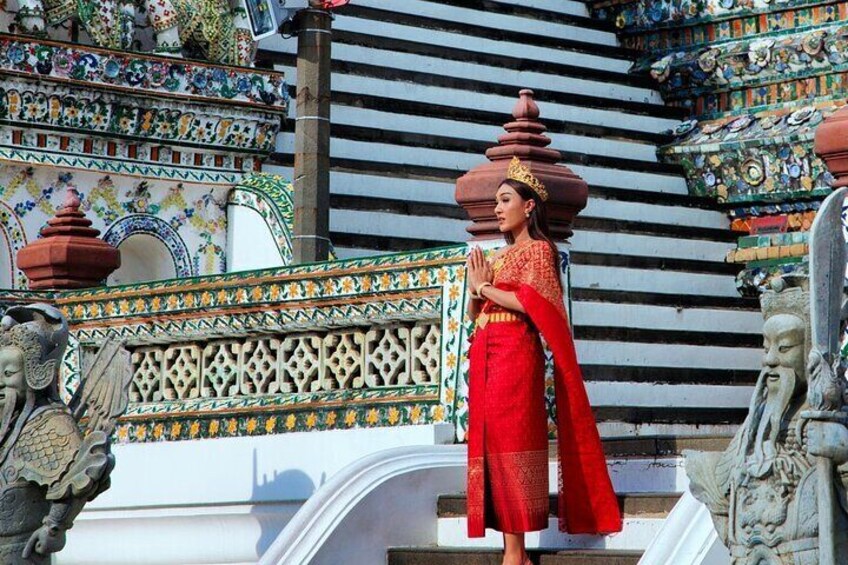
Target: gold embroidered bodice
(532, 263)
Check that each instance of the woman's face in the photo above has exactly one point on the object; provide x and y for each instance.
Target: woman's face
(511, 209)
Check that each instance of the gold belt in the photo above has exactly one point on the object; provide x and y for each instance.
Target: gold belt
(485, 318)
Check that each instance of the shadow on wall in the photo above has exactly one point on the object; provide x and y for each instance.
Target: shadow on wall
(293, 487)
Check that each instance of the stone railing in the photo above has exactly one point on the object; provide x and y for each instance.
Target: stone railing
(356, 343)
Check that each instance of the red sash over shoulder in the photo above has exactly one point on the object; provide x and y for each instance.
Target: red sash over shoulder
(587, 502)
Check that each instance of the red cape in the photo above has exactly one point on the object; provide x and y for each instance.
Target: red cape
(587, 501)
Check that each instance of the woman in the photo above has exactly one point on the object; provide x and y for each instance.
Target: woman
(514, 300)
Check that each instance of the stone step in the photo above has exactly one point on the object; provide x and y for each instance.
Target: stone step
(636, 535)
(561, 12)
(655, 447)
(361, 78)
(470, 137)
(707, 321)
(418, 155)
(575, 7)
(592, 75)
(419, 197)
(491, 25)
(618, 397)
(495, 16)
(621, 131)
(652, 504)
(664, 299)
(459, 556)
(448, 230)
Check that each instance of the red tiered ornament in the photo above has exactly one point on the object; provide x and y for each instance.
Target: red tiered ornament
(69, 254)
(832, 145)
(525, 139)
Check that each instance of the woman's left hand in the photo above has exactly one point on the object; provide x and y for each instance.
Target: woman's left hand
(479, 270)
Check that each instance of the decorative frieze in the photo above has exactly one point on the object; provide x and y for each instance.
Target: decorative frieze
(104, 115)
(758, 157)
(642, 15)
(706, 32)
(119, 71)
(753, 62)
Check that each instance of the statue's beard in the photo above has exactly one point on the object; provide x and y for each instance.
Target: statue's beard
(768, 410)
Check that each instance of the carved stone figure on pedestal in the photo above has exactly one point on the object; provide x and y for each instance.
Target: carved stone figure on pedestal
(782, 481)
(50, 464)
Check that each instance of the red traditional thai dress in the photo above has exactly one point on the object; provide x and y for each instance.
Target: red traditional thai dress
(508, 431)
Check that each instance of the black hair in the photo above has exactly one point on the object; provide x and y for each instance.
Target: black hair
(537, 223)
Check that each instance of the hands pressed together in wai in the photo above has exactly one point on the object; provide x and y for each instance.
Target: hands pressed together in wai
(478, 270)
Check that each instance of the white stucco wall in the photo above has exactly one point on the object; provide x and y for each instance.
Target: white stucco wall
(217, 501)
(250, 244)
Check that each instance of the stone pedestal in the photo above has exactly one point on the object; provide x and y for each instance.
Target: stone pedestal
(525, 139)
(69, 254)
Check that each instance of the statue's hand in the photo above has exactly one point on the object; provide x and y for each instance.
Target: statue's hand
(827, 439)
(45, 540)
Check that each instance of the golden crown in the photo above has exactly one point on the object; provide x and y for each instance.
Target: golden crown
(521, 173)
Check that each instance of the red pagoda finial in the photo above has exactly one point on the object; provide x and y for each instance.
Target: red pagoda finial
(69, 254)
(831, 144)
(524, 138)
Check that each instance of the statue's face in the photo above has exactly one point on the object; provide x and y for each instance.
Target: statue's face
(12, 380)
(783, 342)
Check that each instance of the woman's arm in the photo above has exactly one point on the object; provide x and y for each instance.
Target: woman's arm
(478, 271)
(474, 307)
(504, 298)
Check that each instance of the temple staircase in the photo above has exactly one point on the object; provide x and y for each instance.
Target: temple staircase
(668, 348)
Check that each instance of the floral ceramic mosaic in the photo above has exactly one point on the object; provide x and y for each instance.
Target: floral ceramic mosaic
(120, 71)
(765, 157)
(646, 15)
(710, 32)
(271, 197)
(757, 78)
(60, 108)
(190, 220)
(751, 63)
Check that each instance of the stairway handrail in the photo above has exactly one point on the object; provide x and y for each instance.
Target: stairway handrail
(327, 508)
(687, 536)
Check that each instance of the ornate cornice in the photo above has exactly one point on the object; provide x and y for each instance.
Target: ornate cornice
(159, 77)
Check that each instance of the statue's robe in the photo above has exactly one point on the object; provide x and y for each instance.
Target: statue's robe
(767, 512)
(48, 462)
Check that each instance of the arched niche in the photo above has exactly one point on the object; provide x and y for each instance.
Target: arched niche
(143, 258)
(150, 250)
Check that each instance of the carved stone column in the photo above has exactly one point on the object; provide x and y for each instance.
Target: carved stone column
(525, 139)
(69, 254)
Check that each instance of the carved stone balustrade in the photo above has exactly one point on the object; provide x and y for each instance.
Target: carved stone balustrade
(378, 341)
(382, 356)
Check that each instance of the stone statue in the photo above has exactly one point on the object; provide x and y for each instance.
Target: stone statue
(782, 481)
(213, 30)
(53, 457)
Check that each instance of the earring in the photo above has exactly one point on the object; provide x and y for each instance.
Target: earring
(526, 214)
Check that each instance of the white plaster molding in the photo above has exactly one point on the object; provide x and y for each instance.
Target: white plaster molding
(688, 536)
(385, 499)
